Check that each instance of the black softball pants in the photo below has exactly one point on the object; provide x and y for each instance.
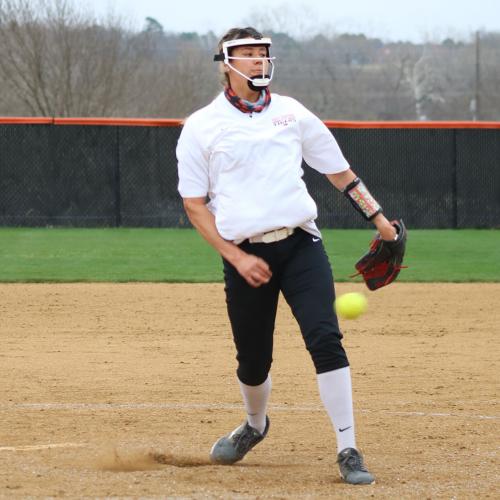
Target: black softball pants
(302, 272)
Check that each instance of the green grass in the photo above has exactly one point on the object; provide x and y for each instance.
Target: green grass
(180, 255)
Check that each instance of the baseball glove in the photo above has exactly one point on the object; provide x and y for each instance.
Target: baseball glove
(380, 266)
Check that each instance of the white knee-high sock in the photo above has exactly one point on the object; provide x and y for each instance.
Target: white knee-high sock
(255, 398)
(335, 390)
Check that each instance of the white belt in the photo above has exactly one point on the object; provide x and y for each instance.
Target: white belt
(272, 236)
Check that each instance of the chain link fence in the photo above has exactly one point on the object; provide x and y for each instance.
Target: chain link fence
(119, 175)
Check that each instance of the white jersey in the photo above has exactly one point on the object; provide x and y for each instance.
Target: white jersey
(250, 165)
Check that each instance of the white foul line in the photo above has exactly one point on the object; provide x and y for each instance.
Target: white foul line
(218, 406)
(41, 446)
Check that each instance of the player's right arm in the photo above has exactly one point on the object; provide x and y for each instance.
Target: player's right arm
(194, 182)
(254, 270)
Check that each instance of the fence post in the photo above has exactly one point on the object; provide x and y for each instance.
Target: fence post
(118, 197)
(454, 188)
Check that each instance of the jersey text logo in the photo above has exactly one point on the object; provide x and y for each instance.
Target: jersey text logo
(284, 120)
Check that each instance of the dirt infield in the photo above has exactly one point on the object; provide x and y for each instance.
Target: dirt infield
(120, 390)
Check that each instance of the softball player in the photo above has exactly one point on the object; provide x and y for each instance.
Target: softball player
(240, 176)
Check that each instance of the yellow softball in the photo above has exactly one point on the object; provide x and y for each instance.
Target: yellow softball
(351, 305)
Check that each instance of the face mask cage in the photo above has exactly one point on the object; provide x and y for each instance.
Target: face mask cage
(256, 82)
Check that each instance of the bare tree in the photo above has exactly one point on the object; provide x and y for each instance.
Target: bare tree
(178, 78)
(425, 80)
(489, 75)
(59, 60)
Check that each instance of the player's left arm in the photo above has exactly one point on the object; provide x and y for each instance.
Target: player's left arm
(343, 180)
(380, 266)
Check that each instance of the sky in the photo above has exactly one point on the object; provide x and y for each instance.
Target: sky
(417, 21)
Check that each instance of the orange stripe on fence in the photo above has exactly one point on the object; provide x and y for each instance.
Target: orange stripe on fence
(20, 120)
(411, 124)
(177, 122)
(130, 122)
(126, 122)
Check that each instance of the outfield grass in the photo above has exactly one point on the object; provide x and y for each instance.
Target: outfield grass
(180, 255)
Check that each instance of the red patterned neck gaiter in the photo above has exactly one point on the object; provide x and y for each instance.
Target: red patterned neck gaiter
(246, 106)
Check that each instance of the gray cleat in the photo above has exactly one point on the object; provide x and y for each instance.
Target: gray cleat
(233, 447)
(352, 468)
